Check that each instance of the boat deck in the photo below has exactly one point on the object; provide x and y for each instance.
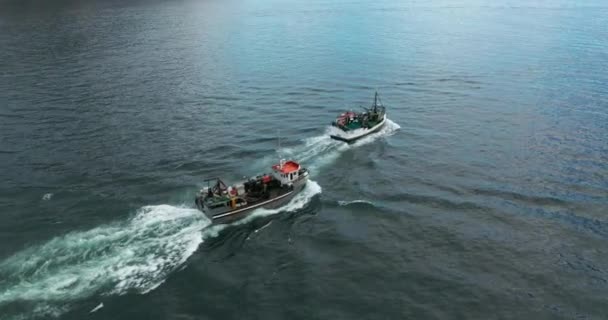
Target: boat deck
(349, 137)
(358, 125)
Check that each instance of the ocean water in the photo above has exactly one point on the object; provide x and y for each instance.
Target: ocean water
(485, 196)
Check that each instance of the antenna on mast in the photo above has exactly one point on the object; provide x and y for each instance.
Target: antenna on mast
(376, 101)
(278, 140)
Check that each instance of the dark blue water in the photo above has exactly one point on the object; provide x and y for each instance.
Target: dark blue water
(484, 197)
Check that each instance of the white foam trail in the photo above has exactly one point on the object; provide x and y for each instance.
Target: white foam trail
(389, 129)
(319, 151)
(331, 130)
(130, 256)
(41, 310)
(133, 255)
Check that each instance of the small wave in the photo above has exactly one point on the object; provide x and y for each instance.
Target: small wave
(346, 203)
(263, 227)
(99, 306)
(133, 255)
(435, 201)
(47, 196)
(526, 198)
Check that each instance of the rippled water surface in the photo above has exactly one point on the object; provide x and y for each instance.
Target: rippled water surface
(484, 197)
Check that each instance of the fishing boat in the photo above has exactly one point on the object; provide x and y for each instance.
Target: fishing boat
(223, 203)
(351, 126)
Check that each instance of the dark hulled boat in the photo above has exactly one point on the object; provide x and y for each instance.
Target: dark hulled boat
(222, 203)
(352, 126)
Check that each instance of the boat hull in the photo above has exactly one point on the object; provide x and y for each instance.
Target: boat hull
(273, 203)
(350, 138)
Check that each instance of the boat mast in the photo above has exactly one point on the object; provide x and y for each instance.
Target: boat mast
(279, 148)
(376, 102)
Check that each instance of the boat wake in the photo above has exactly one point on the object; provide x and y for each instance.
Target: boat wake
(320, 151)
(132, 256)
(389, 129)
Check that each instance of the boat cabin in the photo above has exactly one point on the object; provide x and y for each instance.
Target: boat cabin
(286, 171)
